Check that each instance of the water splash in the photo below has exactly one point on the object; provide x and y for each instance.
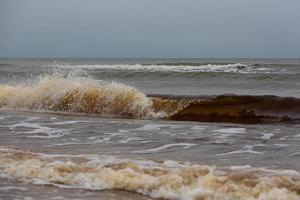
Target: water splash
(77, 94)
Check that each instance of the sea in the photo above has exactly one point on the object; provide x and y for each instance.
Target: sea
(116, 129)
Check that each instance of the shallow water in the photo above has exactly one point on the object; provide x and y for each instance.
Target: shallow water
(223, 145)
(68, 149)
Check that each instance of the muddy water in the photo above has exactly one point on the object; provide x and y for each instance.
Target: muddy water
(30, 141)
(93, 129)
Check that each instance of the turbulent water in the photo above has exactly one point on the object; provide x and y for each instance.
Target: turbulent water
(142, 129)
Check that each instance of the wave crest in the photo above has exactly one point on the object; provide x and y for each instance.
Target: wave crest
(74, 94)
(230, 108)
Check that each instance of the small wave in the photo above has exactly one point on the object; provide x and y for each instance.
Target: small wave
(74, 94)
(156, 178)
(180, 68)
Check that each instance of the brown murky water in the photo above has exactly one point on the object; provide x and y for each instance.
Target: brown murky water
(154, 157)
(66, 136)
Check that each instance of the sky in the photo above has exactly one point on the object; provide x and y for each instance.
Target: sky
(150, 28)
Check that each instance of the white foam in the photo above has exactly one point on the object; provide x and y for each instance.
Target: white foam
(283, 138)
(157, 127)
(102, 140)
(230, 68)
(223, 138)
(66, 122)
(166, 146)
(65, 144)
(39, 129)
(248, 149)
(267, 136)
(198, 128)
(156, 178)
(231, 130)
(32, 118)
(129, 139)
(121, 137)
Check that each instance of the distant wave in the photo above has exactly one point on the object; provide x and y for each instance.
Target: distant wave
(156, 178)
(180, 68)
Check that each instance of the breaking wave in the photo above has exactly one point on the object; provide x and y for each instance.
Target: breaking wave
(180, 68)
(74, 94)
(85, 95)
(156, 178)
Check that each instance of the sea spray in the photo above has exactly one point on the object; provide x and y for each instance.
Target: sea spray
(77, 94)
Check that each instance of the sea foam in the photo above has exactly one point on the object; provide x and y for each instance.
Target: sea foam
(156, 178)
(185, 68)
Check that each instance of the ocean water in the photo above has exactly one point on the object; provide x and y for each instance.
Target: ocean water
(206, 129)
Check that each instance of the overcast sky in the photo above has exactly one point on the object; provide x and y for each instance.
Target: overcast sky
(149, 28)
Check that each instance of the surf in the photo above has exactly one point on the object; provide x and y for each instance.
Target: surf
(164, 179)
(74, 94)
